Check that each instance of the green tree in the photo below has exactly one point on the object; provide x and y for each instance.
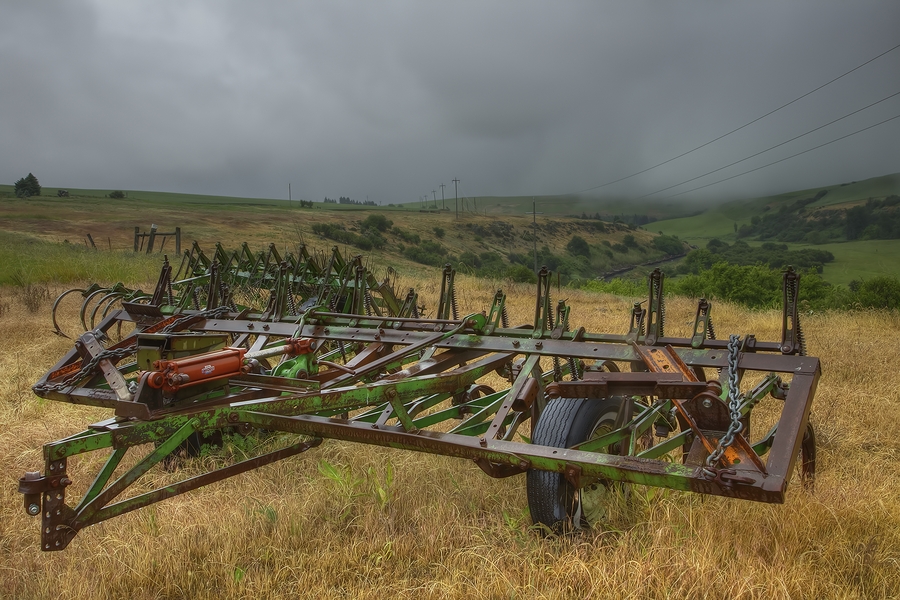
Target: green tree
(28, 186)
(579, 246)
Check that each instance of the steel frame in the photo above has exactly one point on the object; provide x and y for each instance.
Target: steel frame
(397, 380)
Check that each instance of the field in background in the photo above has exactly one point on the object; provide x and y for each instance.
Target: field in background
(111, 223)
(446, 529)
(861, 259)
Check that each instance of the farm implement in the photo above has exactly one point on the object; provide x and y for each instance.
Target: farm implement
(293, 350)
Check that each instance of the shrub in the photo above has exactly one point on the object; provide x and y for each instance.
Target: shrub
(427, 253)
(117, 194)
(879, 292)
(377, 222)
(618, 286)
(439, 232)
(521, 274)
(668, 245)
(579, 247)
(409, 238)
(367, 241)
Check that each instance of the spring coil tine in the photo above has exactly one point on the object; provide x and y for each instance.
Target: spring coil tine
(195, 296)
(56, 328)
(454, 306)
(86, 303)
(573, 369)
(549, 313)
(111, 297)
(801, 337)
(292, 304)
(710, 329)
(504, 317)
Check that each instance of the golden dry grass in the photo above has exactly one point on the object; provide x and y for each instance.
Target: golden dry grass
(447, 530)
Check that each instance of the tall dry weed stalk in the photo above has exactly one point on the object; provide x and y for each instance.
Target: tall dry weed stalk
(441, 529)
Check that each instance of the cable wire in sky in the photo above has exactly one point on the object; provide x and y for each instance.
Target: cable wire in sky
(787, 157)
(771, 147)
(741, 127)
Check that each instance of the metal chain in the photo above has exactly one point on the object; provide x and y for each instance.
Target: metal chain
(86, 369)
(119, 353)
(734, 405)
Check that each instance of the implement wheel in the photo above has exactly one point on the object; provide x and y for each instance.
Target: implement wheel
(552, 500)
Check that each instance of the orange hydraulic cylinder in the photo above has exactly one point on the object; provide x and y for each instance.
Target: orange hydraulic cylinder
(192, 370)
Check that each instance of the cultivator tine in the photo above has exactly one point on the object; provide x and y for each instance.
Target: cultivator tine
(448, 307)
(656, 309)
(313, 345)
(543, 318)
(56, 304)
(792, 339)
(703, 327)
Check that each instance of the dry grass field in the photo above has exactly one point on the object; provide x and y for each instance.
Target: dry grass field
(445, 530)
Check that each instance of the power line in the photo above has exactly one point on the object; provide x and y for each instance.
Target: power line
(787, 157)
(741, 127)
(772, 147)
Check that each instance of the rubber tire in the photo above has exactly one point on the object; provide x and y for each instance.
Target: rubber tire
(564, 423)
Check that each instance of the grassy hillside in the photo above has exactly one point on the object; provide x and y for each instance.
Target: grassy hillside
(853, 259)
(719, 221)
(208, 220)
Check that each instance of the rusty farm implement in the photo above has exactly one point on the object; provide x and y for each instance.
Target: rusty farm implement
(303, 348)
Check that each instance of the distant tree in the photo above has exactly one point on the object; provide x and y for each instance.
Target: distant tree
(579, 246)
(117, 194)
(28, 186)
(630, 241)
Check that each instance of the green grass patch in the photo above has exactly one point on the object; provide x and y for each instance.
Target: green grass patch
(26, 260)
(861, 260)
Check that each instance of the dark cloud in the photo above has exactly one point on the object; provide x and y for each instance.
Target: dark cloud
(387, 100)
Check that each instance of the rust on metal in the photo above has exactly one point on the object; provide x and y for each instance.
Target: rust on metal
(312, 346)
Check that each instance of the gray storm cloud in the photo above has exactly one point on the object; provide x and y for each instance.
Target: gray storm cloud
(387, 100)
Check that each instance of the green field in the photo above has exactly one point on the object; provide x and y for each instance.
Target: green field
(860, 260)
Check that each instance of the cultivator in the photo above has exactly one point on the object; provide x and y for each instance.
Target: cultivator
(298, 349)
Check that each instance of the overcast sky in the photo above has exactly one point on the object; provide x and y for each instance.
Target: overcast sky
(387, 100)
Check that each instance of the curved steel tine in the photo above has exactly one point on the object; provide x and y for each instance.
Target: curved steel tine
(86, 303)
(111, 298)
(56, 328)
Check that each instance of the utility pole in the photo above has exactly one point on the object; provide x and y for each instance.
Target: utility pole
(443, 204)
(289, 194)
(434, 197)
(456, 195)
(534, 214)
